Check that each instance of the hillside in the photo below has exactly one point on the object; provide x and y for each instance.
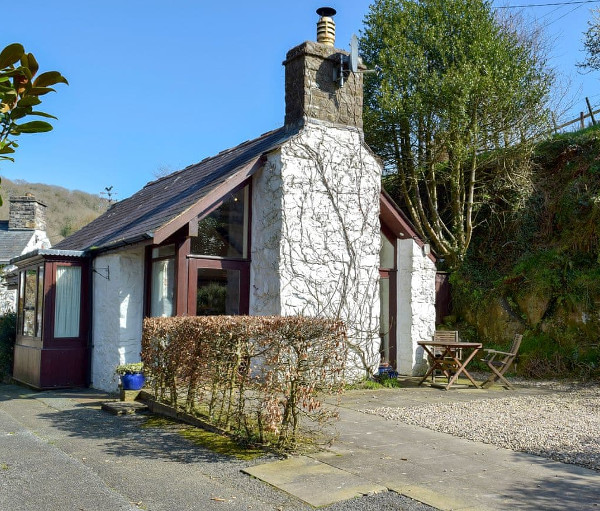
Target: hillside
(67, 210)
(538, 272)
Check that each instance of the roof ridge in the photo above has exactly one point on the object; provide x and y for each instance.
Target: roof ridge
(219, 154)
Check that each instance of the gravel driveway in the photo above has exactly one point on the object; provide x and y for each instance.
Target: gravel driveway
(562, 424)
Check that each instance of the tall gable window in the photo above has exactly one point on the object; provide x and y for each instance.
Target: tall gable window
(162, 295)
(224, 232)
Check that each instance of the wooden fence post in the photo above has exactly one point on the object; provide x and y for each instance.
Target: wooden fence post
(582, 119)
(587, 100)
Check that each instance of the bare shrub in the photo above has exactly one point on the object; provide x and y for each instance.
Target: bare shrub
(255, 376)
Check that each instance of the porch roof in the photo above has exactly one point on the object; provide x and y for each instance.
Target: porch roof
(397, 222)
(40, 253)
(165, 204)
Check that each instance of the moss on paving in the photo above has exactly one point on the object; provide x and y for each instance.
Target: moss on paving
(220, 444)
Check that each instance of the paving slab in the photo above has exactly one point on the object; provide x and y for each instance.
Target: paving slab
(312, 481)
(448, 472)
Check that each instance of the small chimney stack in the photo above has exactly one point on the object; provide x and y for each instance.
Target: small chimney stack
(312, 91)
(326, 26)
(26, 213)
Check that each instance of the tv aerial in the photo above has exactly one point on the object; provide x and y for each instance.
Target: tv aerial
(348, 63)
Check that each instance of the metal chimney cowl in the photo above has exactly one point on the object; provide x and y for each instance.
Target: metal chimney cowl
(326, 26)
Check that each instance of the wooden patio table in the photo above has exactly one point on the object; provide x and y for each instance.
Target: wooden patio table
(448, 351)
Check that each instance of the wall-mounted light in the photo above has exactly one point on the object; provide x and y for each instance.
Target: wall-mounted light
(426, 249)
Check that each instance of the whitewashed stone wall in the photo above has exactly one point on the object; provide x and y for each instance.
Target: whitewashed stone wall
(8, 297)
(415, 307)
(316, 235)
(117, 314)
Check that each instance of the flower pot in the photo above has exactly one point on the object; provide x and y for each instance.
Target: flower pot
(132, 381)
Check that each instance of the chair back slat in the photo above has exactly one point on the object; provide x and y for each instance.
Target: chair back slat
(446, 335)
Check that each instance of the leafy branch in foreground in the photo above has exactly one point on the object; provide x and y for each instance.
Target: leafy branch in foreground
(20, 92)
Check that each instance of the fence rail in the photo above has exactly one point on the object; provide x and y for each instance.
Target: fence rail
(581, 119)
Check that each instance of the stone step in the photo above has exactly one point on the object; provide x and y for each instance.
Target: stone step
(124, 407)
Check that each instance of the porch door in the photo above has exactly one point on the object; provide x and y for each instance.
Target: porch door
(387, 297)
(218, 287)
(387, 316)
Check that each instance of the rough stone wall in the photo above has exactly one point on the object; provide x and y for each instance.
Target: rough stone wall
(415, 307)
(26, 213)
(316, 235)
(117, 314)
(311, 92)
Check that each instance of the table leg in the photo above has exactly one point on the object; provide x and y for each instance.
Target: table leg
(462, 368)
(434, 365)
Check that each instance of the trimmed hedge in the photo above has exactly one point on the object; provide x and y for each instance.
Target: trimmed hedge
(255, 376)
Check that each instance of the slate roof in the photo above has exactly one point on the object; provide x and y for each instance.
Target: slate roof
(137, 217)
(12, 242)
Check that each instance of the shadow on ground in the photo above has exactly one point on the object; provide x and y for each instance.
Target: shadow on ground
(555, 492)
(77, 414)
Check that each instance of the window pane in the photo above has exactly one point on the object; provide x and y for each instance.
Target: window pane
(40, 301)
(29, 303)
(68, 301)
(218, 292)
(163, 288)
(166, 251)
(223, 233)
(386, 255)
(21, 304)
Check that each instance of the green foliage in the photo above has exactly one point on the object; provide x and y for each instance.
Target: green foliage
(20, 92)
(544, 355)
(459, 92)
(543, 264)
(8, 330)
(591, 42)
(132, 368)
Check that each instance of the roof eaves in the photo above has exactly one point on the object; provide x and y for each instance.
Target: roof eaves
(134, 240)
(41, 252)
(399, 217)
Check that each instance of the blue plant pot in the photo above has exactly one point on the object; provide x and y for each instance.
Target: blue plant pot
(132, 381)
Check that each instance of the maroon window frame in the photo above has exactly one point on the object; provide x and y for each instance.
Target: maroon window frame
(188, 264)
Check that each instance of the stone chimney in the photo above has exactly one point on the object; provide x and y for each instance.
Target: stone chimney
(312, 86)
(26, 213)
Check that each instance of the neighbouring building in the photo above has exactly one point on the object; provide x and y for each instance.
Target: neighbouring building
(292, 222)
(24, 231)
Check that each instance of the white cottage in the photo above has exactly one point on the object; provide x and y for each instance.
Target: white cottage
(293, 222)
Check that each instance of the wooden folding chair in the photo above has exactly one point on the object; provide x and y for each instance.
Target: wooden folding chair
(500, 361)
(448, 363)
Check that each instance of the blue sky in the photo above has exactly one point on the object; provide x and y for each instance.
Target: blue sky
(157, 86)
